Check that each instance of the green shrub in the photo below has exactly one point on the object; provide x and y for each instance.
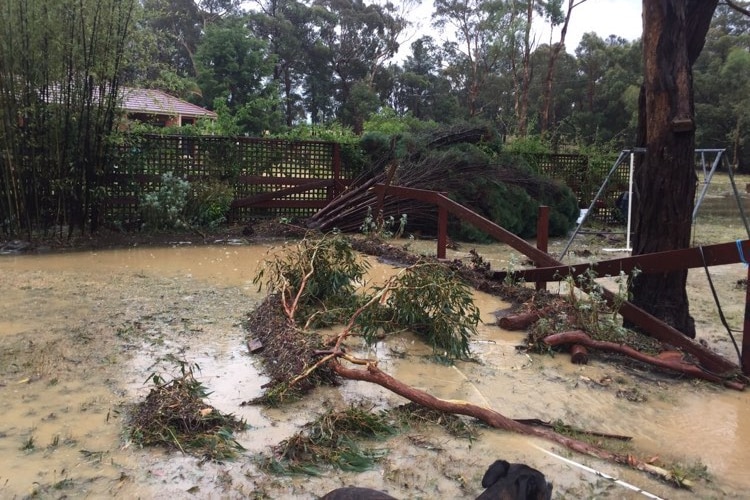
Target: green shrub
(164, 208)
(431, 301)
(209, 203)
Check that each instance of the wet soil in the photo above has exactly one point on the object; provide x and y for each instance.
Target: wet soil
(81, 332)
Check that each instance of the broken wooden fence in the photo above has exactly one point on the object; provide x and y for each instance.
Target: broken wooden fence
(550, 269)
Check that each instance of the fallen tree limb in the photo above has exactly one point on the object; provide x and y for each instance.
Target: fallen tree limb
(521, 321)
(541, 423)
(492, 418)
(670, 362)
(579, 355)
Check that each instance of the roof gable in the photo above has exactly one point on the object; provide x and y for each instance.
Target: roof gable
(156, 102)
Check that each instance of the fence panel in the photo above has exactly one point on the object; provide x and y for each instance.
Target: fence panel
(252, 166)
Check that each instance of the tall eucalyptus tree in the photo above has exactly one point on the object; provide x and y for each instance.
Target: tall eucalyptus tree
(287, 27)
(482, 29)
(233, 73)
(674, 33)
(357, 39)
(722, 89)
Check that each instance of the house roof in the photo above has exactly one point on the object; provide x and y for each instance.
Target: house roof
(156, 102)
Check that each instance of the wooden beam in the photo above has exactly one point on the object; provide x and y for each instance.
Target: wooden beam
(656, 328)
(659, 262)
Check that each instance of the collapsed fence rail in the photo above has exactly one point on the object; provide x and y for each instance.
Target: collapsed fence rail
(709, 360)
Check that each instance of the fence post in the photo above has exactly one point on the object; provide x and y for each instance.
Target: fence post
(442, 240)
(542, 238)
(337, 184)
(746, 330)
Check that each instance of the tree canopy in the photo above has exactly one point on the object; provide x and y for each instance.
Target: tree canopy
(343, 61)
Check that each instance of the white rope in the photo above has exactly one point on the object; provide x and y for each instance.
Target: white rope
(601, 474)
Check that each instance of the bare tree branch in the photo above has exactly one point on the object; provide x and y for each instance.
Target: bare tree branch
(738, 8)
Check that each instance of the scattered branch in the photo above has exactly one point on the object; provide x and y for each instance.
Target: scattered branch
(738, 8)
(492, 418)
(670, 362)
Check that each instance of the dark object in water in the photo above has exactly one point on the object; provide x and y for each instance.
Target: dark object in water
(505, 481)
(355, 493)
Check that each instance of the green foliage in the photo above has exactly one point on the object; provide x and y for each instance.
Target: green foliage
(503, 189)
(314, 272)
(383, 228)
(175, 415)
(322, 276)
(387, 122)
(527, 146)
(334, 132)
(592, 312)
(331, 440)
(352, 156)
(378, 146)
(209, 202)
(164, 208)
(233, 71)
(431, 301)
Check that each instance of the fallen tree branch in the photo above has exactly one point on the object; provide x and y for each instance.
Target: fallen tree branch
(668, 361)
(541, 423)
(520, 321)
(492, 418)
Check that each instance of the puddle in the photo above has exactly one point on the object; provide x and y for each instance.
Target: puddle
(81, 332)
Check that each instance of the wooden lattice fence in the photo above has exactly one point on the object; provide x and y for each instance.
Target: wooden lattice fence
(269, 176)
(585, 178)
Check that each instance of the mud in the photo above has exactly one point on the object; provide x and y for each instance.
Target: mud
(81, 332)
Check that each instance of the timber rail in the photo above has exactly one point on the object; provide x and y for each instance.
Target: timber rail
(549, 268)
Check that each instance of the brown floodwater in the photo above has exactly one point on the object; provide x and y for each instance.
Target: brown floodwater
(81, 332)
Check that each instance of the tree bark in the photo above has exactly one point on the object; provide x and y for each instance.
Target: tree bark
(551, 62)
(523, 111)
(371, 373)
(670, 360)
(674, 32)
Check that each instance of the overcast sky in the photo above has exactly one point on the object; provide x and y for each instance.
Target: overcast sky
(604, 17)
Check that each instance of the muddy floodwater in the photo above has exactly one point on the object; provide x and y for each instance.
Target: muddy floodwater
(81, 332)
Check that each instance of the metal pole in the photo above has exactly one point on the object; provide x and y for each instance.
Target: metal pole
(623, 154)
(542, 238)
(737, 196)
(630, 200)
(707, 178)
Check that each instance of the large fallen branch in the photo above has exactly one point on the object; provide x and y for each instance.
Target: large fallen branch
(371, 373)
(667, 360)
(519, 321)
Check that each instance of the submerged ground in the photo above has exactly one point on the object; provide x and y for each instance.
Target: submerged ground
(81, 332)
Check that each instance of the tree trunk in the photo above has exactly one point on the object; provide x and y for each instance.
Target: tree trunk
(549, 79)
(523, 111)
(674, 32)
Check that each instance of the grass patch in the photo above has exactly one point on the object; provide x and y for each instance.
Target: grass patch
(411, 414)
(332, 440)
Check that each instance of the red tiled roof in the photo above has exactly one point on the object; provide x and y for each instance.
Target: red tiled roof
(156, 102)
